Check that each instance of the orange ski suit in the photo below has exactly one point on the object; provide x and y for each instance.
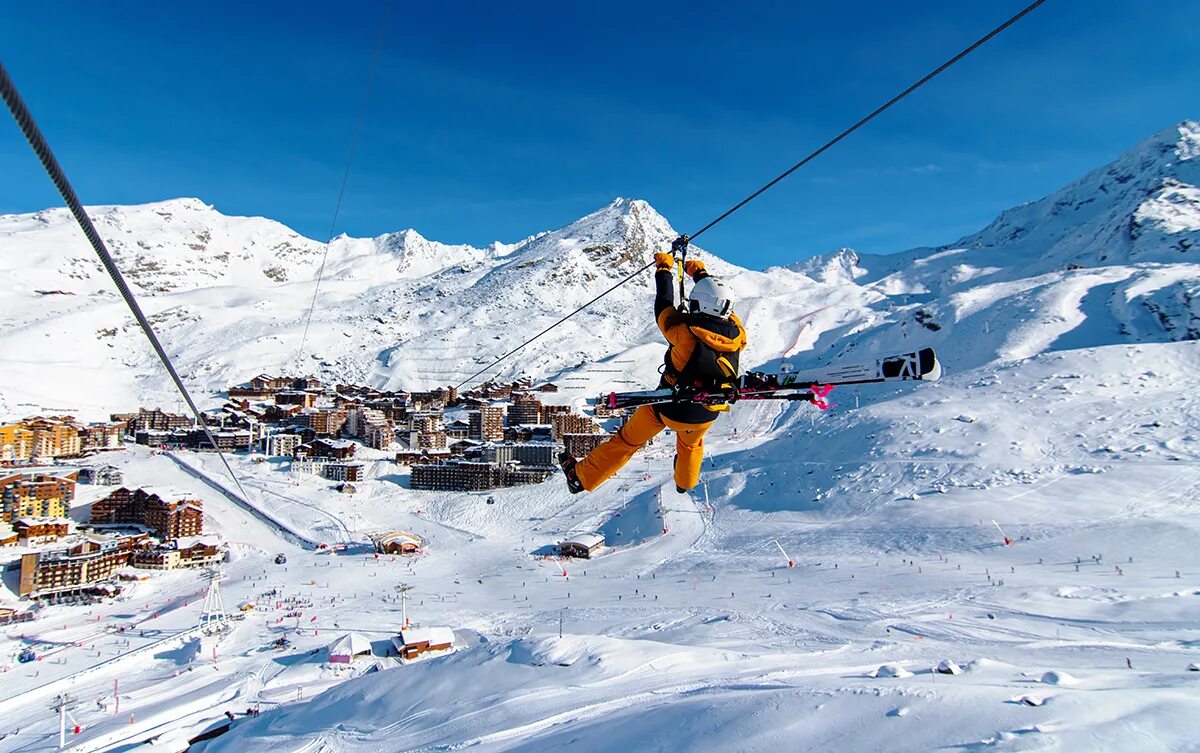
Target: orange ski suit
(689, 422)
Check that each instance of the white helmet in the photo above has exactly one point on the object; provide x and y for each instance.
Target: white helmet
(710, 296)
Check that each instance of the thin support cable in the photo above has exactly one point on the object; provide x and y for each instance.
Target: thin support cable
(337, 207)
(552, 326)
(33, 134)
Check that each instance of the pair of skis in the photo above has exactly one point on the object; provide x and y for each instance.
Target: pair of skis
(811, 385)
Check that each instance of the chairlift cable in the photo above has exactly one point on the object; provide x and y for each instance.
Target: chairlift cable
(337, 207)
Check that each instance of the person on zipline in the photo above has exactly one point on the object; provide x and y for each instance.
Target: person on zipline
(706, 341)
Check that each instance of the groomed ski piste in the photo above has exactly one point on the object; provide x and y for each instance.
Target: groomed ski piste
(1064, 419)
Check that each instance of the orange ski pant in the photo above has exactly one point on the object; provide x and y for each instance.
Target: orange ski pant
(608, 458)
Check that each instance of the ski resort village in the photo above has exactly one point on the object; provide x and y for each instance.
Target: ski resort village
(1007, 557)
(706, 480)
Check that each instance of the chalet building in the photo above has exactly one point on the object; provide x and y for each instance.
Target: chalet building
(326, 423)
(264, 385)
(515, 474)
(169, 520)
(129, 537)
(379, 436)
(579, 445)
(414, 641)
(394, 409)
(303, 399)
(494, 391)
(103, 436)
(526, 454)
(526, 408)
(197, 552)
(433, 400)
(548, 387)
(40, 495)
(550, 411)
(571, 423)
(16, 443)
(352, 472)
(487, 423)
(529, 433)
(54, 437)
(280, 445)
(414, 457)
(424, 420)
(156, 420)
(584, 545)
(8, 535)
(32, 531)
(308, 467)
(101, 476)
(278, 414)
(458, 430)
(359, 417)
(227, 440)
(456, 475)
(333, 449)
(419, 441)
(371, 426)
(473, 475)
(74, 569)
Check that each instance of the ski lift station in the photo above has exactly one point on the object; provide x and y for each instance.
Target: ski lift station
(414, 641)
(583, 546)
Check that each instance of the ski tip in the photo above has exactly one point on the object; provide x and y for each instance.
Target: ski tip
(931, 367)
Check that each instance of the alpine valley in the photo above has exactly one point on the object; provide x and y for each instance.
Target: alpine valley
(1067, 417)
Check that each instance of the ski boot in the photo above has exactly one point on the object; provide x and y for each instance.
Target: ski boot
(567, 461)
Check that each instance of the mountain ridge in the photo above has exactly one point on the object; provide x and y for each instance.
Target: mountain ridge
(1104, 260)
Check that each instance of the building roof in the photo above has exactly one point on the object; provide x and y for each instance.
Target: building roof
(187, 542)
(402, 536)
(31, 521)
(586, 540)
(434, 636)
(340, 444)
(350, 644)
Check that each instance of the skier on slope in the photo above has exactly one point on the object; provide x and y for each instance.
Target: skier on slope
(706, 341)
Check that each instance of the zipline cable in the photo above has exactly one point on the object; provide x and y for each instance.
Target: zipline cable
(813, 155)
(33, 134)
(337, 207)
(978, 43)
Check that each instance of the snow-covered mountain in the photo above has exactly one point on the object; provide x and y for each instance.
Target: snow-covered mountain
(1067, 419)
(1107, 259)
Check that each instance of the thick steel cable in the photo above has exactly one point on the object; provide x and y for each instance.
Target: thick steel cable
(337, 207)
(33, 134)
(816, 153)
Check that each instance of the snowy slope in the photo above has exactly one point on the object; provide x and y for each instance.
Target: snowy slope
(1067, 417)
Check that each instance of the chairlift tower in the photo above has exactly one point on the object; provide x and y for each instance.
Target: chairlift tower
(60, 705)
(404, 588)
(213, 618)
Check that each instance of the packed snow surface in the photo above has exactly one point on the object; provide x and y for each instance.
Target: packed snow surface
(1067, 417)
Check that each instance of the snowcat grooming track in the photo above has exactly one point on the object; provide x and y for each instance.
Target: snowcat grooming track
(811, 385)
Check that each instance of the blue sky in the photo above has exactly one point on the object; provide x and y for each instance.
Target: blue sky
(492, 121)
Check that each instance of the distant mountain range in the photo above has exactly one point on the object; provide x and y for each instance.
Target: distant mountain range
(1108, 259)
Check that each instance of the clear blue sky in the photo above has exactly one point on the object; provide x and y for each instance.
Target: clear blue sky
(491, 121)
